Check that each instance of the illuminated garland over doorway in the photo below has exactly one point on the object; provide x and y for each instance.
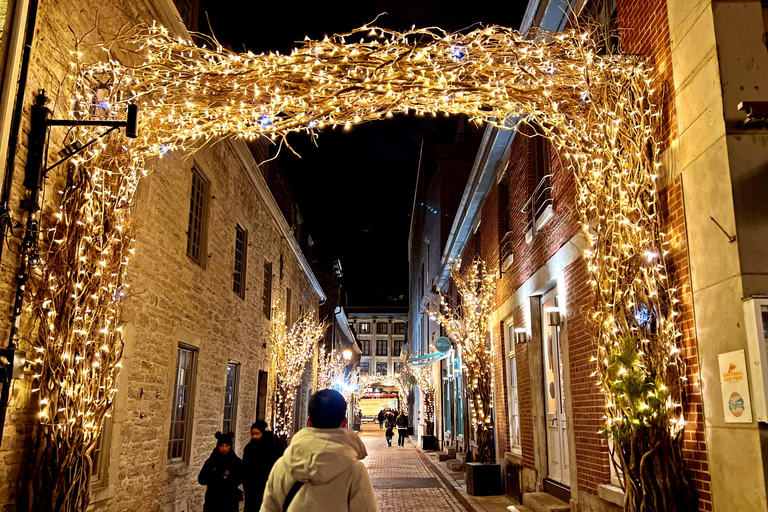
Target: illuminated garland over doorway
(601, 112)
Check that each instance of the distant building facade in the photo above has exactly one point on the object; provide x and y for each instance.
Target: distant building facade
(381, 335)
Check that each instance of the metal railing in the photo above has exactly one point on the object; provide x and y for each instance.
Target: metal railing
(538, 202)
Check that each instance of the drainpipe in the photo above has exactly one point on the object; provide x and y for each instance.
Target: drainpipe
(13, 136)
(9, 165)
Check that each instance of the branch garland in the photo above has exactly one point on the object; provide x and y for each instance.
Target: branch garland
(600, 110)
(467, 323)
(330, 366)
(290, 350)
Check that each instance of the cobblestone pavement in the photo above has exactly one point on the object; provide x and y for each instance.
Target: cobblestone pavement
(401, 478)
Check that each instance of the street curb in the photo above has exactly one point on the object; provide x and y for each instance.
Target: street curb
(468, 501)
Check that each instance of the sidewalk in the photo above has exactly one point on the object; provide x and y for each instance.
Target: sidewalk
(402, 478)
(457, 483)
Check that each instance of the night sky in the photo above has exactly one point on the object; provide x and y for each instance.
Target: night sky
(355, 190)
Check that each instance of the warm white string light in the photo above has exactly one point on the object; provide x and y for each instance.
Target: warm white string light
(599, 110)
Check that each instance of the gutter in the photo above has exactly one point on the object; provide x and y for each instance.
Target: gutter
(16, 68)
(341, 318)
(493, 149)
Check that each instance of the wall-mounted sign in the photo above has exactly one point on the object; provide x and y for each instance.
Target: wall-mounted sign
(442, 344)
(734, 385)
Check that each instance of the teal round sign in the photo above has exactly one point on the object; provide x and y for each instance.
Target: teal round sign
(443, 344)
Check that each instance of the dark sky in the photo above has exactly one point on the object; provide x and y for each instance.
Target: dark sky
(355, 190)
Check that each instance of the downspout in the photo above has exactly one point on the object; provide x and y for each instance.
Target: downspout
(8, 178)
(13, 137)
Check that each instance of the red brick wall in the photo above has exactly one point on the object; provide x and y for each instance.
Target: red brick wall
(586, 399)
(695, 445)
(644, 29)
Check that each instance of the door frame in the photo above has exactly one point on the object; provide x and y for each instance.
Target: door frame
(559, 364)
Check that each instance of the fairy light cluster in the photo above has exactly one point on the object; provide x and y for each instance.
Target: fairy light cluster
(290, 350)
(467, 323)
(426, 382)
(330, 366)
(75, 297)
(599, 110)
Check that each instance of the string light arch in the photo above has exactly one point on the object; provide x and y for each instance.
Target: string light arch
(600, 110)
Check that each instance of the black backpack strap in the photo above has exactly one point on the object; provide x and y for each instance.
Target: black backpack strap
(292, 494)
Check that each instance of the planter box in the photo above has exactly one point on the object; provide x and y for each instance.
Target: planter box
(483, 479)
(429, 443)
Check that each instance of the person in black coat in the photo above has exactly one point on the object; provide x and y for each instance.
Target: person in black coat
(402, 429)
(259, 455)
(381, 417)
(223, 474)
(390, 425)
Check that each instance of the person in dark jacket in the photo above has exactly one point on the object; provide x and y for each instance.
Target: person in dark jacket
(390, 424)
(381, 417)
(402, 429)
(223, 474)
(259, 455)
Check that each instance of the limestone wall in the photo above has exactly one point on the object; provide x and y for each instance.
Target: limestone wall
(173, 300)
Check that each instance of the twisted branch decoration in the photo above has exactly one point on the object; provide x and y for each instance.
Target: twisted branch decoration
(600, 110)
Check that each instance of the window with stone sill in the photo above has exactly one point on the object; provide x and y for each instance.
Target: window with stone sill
(399, 328)
(365, 347)
(381, 369)
(266, 292)
(261, 400)
(382, 328)
(381, 347)
(197, 229)
(100, 455)
(230, 397)
(181, 407)
(365, 369)
(365, 328)
(241, 258)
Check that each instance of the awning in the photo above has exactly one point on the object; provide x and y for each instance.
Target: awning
(428, 359)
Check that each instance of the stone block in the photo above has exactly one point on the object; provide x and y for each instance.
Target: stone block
(455, 465)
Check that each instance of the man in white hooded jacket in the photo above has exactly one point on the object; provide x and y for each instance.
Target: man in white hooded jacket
(326, 458)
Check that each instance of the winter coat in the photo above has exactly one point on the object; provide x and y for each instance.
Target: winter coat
(259, 456)
(330, 462)
(381, 416)
(223, 475)
(402, 421)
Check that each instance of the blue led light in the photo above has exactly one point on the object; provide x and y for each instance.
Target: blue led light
(265, 121)
(458, 53)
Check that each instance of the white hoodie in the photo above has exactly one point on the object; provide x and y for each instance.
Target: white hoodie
(329, 461)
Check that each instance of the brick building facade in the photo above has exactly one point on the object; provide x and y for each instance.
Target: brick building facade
(547, 408)
(197, 322)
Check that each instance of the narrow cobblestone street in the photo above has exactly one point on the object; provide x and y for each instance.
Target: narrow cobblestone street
(401, 477)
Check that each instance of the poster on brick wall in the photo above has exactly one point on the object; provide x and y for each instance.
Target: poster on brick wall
(737, 406)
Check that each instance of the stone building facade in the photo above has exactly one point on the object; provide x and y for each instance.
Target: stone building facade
(198, 313)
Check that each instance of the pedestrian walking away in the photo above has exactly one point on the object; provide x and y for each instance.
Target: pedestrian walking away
(222, 473)
(390, 425)
(381, 417)
(322, 469)
(259, 455)
(402, 429)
